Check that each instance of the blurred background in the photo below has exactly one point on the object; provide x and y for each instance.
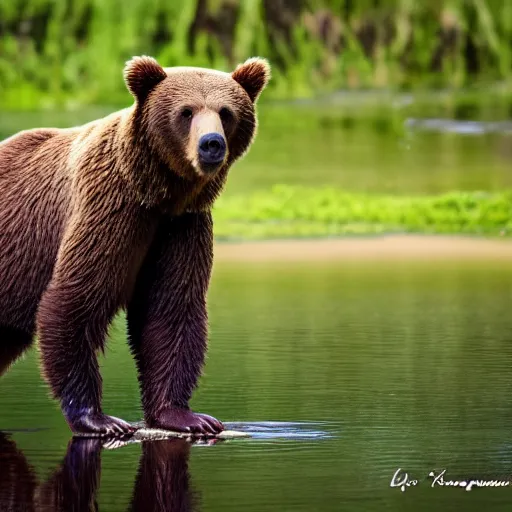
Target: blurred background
(369, 353)
(382, 115)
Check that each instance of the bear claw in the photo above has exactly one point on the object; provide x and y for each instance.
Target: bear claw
(100, 425)
(184, 420)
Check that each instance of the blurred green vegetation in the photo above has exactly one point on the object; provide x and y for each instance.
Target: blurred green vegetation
(330, 170)
(351, 164)
(291, 211)
(63, 52)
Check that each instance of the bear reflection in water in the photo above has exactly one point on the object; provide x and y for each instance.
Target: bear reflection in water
(162, 483)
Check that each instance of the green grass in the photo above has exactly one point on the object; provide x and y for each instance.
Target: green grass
(294, 211)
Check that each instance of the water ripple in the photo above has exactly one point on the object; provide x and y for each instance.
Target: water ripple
(285, 430)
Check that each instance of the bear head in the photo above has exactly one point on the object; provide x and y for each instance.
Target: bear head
(198, 121)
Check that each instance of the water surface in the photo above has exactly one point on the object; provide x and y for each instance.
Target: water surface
(376, 148)
(344, 373)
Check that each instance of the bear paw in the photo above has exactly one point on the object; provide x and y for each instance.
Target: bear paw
(97, 424)
(184, 420)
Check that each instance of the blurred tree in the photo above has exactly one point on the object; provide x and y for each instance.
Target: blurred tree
(54, 50)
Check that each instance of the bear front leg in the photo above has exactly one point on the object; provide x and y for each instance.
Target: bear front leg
(74, 314)
(168, 323)
(72, 325)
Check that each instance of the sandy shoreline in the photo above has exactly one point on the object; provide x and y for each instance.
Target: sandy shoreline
(393, 247)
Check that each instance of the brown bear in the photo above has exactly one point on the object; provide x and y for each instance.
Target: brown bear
(117, 214)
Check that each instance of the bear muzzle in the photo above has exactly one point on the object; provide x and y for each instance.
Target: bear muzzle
(211, 151)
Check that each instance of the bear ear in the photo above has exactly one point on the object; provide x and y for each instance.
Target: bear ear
(253, 75)
(141, 74)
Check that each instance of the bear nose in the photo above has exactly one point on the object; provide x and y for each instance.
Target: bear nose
(212, 149)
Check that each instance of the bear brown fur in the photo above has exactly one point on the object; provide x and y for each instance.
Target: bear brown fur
(117, 214)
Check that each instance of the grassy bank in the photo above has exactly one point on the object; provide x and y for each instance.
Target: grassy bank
(58, 52)
(287, 211)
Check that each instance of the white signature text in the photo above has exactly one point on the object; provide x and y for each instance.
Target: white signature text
(403, 481)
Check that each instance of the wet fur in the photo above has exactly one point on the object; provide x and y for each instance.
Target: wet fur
(113, 215)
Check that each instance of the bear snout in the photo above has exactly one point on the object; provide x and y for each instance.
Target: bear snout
(212, 151)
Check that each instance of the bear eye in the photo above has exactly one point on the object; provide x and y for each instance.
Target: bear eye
(225, 114)
(187, 113)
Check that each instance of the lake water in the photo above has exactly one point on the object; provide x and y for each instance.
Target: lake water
(342, 373)
(379, 145)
